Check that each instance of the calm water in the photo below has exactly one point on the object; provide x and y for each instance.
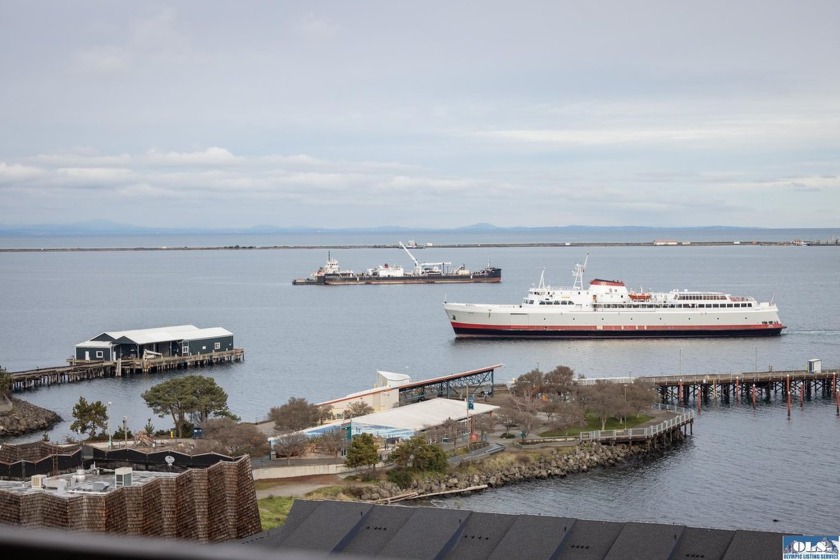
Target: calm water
(743, 468)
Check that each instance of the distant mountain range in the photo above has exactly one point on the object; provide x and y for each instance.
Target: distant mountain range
(104, 227)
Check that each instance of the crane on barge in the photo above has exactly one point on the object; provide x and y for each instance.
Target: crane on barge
(425, 268)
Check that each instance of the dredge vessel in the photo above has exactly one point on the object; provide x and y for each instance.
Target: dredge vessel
(331, 274)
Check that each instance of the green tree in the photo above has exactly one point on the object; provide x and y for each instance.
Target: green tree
(325, 414)
(640, 395)
(297, 414)
(506, 416)
(235, 438)
(356, 409)
(528, 385)
(5, 383)
(451, 429)
(484, 423)
(332, 441)
(604, 399)
(525, 421)
(89, 417)
(291, 444)
(362, 452)
(567, 414)
(559, 382)
(194, 395)
(416, 453)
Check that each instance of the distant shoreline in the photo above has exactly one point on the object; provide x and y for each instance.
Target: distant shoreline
(436, 246)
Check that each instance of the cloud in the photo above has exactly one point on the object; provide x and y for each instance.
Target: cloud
(301, 188)
(103, 60)
(99, 175)
(16, 172)
(311, 27)
(294, 112)
(210, 156)
(158, 33)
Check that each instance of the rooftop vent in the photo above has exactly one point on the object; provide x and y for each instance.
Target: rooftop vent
(122, 477)
(38, 480)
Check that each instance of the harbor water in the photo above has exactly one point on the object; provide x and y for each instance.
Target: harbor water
(743, 467)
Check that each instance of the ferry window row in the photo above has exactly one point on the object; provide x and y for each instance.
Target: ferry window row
(672, 305)
(650, 305)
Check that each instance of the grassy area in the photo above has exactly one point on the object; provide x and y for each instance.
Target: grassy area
(274, 510)
(593, 423)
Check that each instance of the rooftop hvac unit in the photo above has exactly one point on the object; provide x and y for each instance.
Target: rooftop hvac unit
(122, 477)
(38, 480)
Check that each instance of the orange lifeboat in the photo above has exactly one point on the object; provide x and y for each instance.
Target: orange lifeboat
(639, 297)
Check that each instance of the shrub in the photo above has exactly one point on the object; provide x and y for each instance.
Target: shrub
(524, 459)
(401, 477)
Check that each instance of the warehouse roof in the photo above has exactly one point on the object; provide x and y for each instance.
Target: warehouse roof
(157, 334)
(404, 421)
(416, 417)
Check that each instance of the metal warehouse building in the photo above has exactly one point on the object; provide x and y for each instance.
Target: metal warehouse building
(178, 340)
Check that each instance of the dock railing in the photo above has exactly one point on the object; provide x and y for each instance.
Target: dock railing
(682, 417)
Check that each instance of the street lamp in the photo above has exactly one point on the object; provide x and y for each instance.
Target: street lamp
(624, 412)
(107, 423)
(470, 408)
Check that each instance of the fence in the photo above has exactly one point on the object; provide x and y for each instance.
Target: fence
(683, 417)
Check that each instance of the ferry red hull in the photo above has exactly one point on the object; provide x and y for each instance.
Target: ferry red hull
(479, 331)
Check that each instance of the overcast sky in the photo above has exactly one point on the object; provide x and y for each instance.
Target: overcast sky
(420, 114)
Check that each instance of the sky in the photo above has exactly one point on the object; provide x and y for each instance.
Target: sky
(433, 114)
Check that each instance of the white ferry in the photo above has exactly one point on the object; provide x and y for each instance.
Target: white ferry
(607, 309)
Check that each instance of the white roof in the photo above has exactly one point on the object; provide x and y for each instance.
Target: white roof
(95, 343)
(136, 332)
(404, 421)
(391, 379)
(416, 417)
(391, 376)
(212, 332)
(165, 334)
(157, 334)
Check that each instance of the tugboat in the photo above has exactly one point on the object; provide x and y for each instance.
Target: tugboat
(318, 277)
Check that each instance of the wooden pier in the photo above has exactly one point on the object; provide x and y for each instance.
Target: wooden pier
(80, 370)
(756, 386)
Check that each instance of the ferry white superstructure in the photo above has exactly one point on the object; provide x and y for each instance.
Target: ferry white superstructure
(607, 309)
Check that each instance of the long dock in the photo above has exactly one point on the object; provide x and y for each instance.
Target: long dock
(754, 386)
(79, 370)
(757, 385)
